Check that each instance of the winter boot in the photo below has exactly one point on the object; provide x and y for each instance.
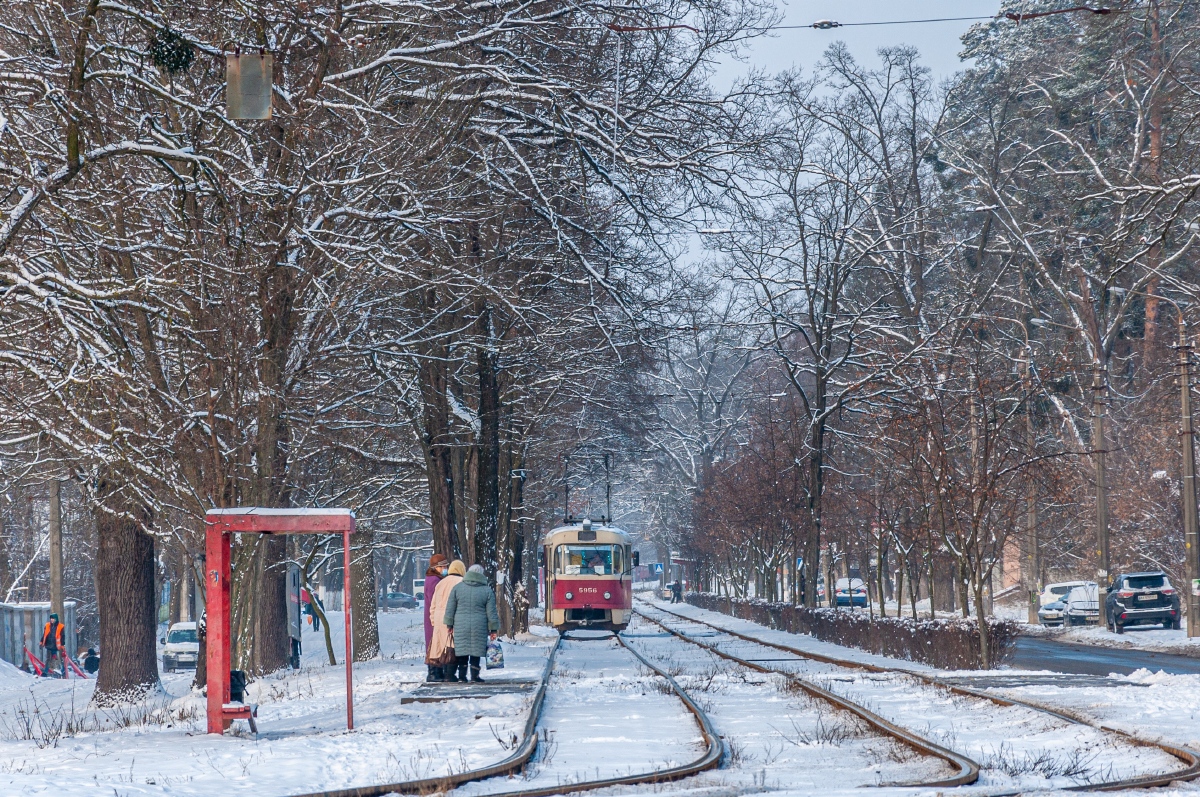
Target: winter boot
(435, 675)
(448, 674)
(475, 679)
(462, 673)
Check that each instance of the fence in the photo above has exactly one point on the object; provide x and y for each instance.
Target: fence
(21, 626)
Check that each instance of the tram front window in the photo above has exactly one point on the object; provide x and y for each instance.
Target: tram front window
(589, 560)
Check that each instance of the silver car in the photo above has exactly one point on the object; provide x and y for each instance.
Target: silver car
(1082, 606)
(1052, 613)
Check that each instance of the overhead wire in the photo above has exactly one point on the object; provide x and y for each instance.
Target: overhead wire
(829, 24)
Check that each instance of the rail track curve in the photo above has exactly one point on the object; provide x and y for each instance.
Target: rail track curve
(523, 752)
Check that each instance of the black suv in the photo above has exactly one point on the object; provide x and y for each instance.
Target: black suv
(1135, 598)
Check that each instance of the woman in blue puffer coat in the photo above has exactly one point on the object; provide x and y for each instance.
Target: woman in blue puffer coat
(471, 612)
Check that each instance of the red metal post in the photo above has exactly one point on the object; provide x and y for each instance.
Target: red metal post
(216, 590)
(346, 604)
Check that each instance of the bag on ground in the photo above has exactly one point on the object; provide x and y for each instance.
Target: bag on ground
(495, 655)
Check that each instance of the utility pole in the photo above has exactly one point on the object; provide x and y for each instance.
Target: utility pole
(1189, 482)
(1099, 445)
(1033, 568)
(56, 558)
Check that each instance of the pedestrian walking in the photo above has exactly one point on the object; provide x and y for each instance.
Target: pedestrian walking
(437, 569)
(441, 645)
(677, 592)
(52, 642)
(471, 615)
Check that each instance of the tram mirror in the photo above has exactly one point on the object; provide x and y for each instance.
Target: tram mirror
(541, 557)
(637, 558)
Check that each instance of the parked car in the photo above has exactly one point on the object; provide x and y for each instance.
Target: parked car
(1141, 598)
(850, 592)
(1082, 605)
(1052, 593)
(1052, 613)
(181, 646)
(399, 600)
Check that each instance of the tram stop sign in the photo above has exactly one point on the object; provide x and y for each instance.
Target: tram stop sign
(657, 568)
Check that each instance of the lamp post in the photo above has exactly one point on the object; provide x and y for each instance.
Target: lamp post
(1098, 444)
(1032, 567)
(1186, 440)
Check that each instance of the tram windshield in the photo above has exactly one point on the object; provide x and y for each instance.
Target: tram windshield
(590, 560)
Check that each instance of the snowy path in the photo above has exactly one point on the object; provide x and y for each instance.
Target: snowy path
(605, 716)
(1018, 747)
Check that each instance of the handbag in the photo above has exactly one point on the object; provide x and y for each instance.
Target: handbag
(447, 656)
(495, 655)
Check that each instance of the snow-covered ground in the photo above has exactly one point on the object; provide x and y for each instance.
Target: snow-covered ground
(605, 715)
(52, 743)
(1017, 747)
(1166, 708)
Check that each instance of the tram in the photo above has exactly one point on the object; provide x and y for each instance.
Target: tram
(589, 576)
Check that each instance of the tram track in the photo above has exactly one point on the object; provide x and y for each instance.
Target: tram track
(1189, 757)
(525, 749)
(966, 770)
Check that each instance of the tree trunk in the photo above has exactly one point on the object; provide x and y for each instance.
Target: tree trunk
(271, 646)
(487, 460)
(881, 576)
(364, 598)
(816, 489)
(960, 585)
(127, 602)
(439, 469)
(985, 653)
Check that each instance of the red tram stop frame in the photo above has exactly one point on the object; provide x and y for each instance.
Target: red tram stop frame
(220, 524)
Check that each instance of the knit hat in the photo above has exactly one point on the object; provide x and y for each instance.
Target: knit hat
(475, 569)
(457, 568)
(436, 559)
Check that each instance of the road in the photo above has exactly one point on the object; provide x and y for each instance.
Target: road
(1038, 653)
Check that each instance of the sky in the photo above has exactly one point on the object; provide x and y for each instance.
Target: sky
(938, 42)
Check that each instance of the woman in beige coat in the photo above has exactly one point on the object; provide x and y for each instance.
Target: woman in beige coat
(442, 645)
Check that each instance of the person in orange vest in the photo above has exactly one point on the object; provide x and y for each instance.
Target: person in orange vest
(52, 642)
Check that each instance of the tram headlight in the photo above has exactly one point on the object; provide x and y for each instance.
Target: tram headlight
(608, 596)
(569, 595)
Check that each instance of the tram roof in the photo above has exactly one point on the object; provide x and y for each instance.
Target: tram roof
(598, 528)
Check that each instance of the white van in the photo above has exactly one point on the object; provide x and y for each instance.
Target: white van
(1056, 592)
(181, 647)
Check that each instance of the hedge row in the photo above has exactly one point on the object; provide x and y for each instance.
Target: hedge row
(945, 644)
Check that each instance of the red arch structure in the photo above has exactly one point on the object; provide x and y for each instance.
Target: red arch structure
(220, 525)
